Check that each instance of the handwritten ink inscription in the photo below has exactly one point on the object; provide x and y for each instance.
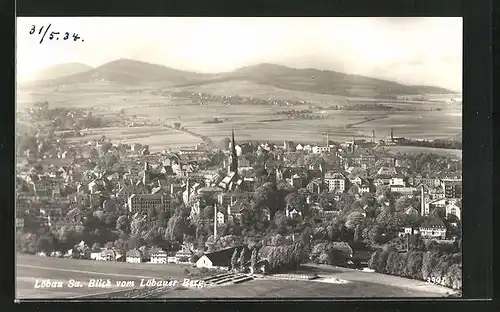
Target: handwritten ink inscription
(53, 35)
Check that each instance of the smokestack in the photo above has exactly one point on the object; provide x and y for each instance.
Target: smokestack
(171, 188)
(327, 141)
(187, 190)
(215, 220)
(422, 200)
(392, 134)
(373, 137)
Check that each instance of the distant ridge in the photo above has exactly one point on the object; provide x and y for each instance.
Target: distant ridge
(132, 72)
(57, 71)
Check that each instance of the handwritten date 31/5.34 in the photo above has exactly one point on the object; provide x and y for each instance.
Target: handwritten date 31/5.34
(53, 35)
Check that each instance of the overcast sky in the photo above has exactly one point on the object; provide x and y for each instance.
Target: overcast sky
(408, 50)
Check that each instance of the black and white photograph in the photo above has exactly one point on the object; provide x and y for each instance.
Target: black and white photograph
(238, 157)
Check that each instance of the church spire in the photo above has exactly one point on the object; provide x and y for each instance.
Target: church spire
(234, 156)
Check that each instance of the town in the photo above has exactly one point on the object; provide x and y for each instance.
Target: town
(251, 207)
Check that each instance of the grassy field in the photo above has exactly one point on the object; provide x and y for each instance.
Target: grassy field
(30, 268)
(418, 149)
(157, 138)
(245, 119)
(359, 284)
(298, 289)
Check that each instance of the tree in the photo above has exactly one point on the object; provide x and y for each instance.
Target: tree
(176, 228)
(280, 220)
(354, 219)
(241, 260)
(105, 147)
(94, 153)
(194, 257)
(46, 243)
(208, 212)
(234, 259)
(296, 201)
(122, 224)
(253, 260)
(163, 218)
(375, 234)
(224, 144)
(346, 201)
(109, 245)
(358, 230)
(96, 247)
(152, 213)
(110, 160)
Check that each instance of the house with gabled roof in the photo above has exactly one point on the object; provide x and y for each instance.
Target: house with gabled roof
(433, 228)
(454, 208)
(134, 256)
(220, 259)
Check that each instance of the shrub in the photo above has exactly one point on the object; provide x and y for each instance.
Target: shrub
(429, 261)
(378, 261)
(400, 266)
(391, 264)
(414, 265)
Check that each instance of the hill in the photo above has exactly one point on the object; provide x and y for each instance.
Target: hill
(131, 72)
(320, 81)
(126, 72)
(57, 71)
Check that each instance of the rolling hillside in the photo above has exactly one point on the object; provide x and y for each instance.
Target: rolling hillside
(130, 72)
(57, 71)
(320, 81)
(125, 72)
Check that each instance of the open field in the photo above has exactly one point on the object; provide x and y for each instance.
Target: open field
(418, 149)
(30, 268)
(157, 138)
(360, 284)
(246, 119)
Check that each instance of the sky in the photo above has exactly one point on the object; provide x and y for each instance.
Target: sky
(426, 51)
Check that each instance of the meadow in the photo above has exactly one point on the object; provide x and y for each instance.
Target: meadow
(246, 120)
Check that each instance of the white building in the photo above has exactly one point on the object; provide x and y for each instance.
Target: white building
(453, 209)
(335, 181)
(433, 228)
(96, 256)
(321, 149)
(220, 259)
(403, 190)
(133, 256)
(159, 257)
(397, 181)
(220, 217)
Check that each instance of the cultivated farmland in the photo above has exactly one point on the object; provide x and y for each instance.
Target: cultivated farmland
(248, 121)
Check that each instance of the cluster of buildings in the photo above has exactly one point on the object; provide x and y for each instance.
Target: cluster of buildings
(141, 181)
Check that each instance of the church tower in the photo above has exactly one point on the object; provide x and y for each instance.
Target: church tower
(234, 156)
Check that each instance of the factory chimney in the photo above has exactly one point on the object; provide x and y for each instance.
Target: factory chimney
(215, 220)
(392, 134)
(373, 135)
(422, 200)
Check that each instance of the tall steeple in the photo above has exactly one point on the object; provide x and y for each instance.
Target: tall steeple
(234, 156)
(215, 220)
